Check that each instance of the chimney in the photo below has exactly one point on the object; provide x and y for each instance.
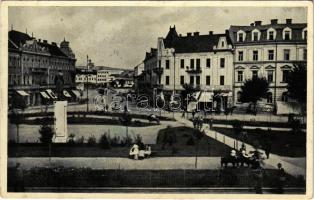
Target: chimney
(252, 24)
(211, 32)
(227, 32)
(180, 35)
(39, 40)
(288, 21)
(196, 33)
(189, 34)
(54, 44)
(258, 23)
(45, 41)
(273, 21)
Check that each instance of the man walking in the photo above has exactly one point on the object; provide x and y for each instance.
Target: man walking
(281, 176)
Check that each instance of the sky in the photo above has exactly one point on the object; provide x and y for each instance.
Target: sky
(120, 36)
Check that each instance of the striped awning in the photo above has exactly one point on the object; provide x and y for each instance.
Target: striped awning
(51, 94)
(22, 92)
(44, 95)
(66, 93)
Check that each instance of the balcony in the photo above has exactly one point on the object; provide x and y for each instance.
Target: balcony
(194, 71)
(158, 70)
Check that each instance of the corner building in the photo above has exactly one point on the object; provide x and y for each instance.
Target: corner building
(205, 61)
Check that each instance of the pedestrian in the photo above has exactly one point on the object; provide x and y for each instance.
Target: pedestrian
(193, 114)
(194, 123)
(281, 178)
(258, 180)
(201, 123)
(267, 149)
(18, 178)
(183, 113)
(211, 123)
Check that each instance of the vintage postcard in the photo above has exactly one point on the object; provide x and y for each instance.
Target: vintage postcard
(139, 99)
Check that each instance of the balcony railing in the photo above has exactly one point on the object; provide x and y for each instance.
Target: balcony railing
(194, 71)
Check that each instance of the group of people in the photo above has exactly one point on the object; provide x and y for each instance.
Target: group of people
(140, 151)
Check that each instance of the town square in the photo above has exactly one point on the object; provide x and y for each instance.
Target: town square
(157, 99)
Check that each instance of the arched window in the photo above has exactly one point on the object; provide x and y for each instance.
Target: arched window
(304, 34)
(240, 36)
(271, 34)
(269, 97)
(287, 33)
(284, 97)
(239, 93)
(256, 34)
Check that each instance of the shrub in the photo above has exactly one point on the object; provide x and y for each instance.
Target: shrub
(80, 140)
(91, 140)
(190, 141)
(115, 141)
(46, 133)
(126, 140)
(104, 141)
(71, 139)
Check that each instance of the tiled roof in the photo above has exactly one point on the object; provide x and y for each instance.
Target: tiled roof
(296, 31)
(53, 49)
(195, 43)
(18, 37)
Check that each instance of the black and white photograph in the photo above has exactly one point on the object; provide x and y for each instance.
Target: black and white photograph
(155, 98)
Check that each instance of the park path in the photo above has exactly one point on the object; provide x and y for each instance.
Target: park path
(290, 167)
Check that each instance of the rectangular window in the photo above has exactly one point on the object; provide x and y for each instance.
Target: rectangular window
(271, 35)
(207, 80)
(240, 56)
(287, 35)
(159, 63)
(198, 80)
(167, 80)
(208, 62)
(182, 63)
(222, 62)
(240, 39)
(304, 54)
(270, 54)
(192, 80)
(285, 74)
(305, 35)
(198, 63)
(192, 63)
(167, 64)
(255, 36)
(270, 76)
(222, 80)
(255, 55)
(182, 80)
(286, 53)
(240, 76)
(254, 74)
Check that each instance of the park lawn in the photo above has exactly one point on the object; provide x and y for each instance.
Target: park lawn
(283, 143)
(207, 147)
(86, 177)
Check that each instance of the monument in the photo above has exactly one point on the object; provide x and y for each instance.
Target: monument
(61, 125)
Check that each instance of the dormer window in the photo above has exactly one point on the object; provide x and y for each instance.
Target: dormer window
(287, 33)
(304, 34)
(271, 34)
(240, 36)
(255, 35)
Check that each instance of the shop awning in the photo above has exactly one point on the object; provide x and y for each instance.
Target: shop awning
(66, 93)
(44, 95)
(288, 108)
(192, 106)
(77, 93)
(206, 97)
(22, 92)
(51, 94)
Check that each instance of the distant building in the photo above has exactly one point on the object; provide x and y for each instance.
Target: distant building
(35, 65)
(86, 76)
(138, 75)
(270, 51)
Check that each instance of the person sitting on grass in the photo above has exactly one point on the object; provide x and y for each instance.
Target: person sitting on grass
(134, 152)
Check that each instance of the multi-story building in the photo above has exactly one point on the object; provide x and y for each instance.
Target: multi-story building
(86, 76)
(269, 51)
(35, 65)
(205, 61)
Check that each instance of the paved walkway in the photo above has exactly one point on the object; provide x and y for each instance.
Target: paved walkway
(273, 160)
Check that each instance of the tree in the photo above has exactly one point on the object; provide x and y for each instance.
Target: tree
(59, 83)
(18, 103)
(297, 84)
(187, 89)
(253, 90)
(126, 120)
